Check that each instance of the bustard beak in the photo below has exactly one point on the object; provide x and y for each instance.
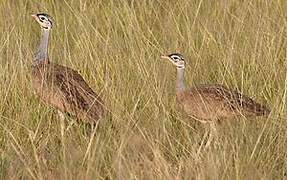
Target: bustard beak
(34, 16)
(164, 57)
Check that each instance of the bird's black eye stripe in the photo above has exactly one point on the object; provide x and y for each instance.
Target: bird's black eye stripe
(175, 57)
(41, 19)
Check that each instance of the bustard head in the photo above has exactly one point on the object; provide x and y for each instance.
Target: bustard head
(44, 20)
(176, 59)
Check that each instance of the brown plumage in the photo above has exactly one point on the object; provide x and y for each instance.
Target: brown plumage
(66, 90)
(207, 102)
(60, 86)
(211, 102)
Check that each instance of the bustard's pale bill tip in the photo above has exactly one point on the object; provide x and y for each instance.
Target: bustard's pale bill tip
(34, 16)
(164, 57)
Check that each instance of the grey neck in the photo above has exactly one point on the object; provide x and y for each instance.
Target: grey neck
(42, 52)
(180, 84)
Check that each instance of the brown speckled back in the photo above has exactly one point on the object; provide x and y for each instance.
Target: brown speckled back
(65, 89)
(207, 102)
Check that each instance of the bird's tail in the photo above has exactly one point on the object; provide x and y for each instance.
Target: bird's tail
(260, 110)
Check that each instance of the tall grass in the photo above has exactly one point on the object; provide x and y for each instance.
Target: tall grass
(116, 46)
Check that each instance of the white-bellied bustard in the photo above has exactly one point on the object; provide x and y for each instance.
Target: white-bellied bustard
(208, 103)
(60, 86)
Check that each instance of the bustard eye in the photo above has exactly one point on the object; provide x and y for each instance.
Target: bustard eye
(42, 18)
(175, 58)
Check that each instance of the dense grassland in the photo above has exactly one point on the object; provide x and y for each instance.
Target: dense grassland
(116, 45)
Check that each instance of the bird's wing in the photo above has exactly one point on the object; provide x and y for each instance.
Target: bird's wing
(234, 99)
(76, 92)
